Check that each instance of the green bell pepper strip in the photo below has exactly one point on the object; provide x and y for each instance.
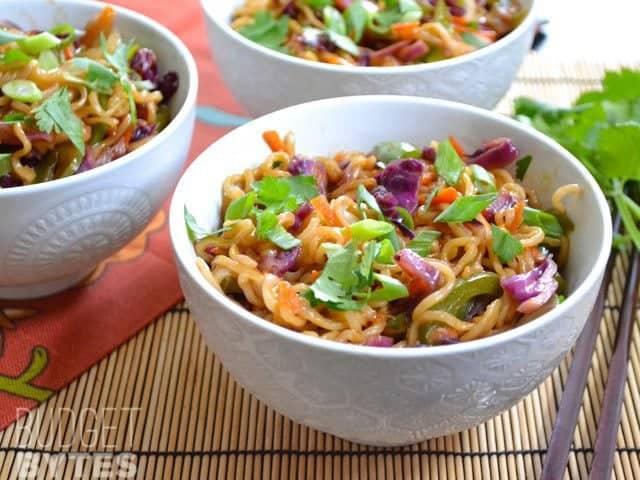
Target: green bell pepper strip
(458, 303)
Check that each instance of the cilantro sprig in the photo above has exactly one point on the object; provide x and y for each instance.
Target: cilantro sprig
(55, 114)
(602, 129)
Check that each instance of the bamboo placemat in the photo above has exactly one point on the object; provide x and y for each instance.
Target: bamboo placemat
(162, 406)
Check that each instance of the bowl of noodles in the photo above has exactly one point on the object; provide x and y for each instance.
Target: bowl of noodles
(395, 268)
(467, 51)
(97, 107)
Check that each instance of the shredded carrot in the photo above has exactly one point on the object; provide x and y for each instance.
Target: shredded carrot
(422, 199)
(458, 21)
(321, 205)
(101, 24)
(406, 30)
(332, 58)
(272, 138)
(457, 147)
(428, 177)
(518, 217)
(288, 298)
(314, 275)
(446, 195)
(68, 52)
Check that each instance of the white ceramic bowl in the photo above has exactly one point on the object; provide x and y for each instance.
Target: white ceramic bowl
(53, 234)
(388, 396)
(263, 80)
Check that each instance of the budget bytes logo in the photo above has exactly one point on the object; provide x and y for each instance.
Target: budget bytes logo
(88, 443)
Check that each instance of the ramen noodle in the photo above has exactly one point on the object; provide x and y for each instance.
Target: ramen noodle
(376, 33)
(71, 101)
(401, 246)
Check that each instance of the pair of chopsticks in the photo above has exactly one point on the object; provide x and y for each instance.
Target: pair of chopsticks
(564, 428)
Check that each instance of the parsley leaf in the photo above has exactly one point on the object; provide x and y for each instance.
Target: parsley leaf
(504, 245)
(448, 163)
(267, 31)
(423, 242)
(55, 114)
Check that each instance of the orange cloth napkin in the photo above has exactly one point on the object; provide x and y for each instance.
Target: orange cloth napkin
(46, 343)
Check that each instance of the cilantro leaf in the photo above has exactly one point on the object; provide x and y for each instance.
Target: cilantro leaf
(448, 163)
(423, 242)
(280, 194)
(618, 155)
(195, 231)
(55, 114)
(119, 58)
(241, 207)
(266, 30)
(504, 245)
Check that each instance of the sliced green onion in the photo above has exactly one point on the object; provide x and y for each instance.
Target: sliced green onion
(387, 152)
(98, 132)
(7, 36)
(466, 208)
(22, 90)
(369, 229)
(15, 117)
(482, 179)
(48, 60)
(65, 30)
(36, 44)
(14, 58)
(549, 223)
(423, 242)
(386, 252)
(407, 219)
(5, 163)
(391, 289)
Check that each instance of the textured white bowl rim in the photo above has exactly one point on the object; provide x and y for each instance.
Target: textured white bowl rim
(178, 234)
(521, 29)
(181, 116)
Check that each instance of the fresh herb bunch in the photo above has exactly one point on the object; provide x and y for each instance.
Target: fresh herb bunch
(602, 129)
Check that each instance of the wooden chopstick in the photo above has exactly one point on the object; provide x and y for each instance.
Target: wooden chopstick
(558, 450)
(609, 422)
(557, 455)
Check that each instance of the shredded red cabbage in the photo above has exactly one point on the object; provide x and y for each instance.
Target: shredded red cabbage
(504, 201)
(497, 153)
(300, 165)
(379, 341)
(535, 288)
(301, 214)
(424, 276)
(279, 262)
(402, 179)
